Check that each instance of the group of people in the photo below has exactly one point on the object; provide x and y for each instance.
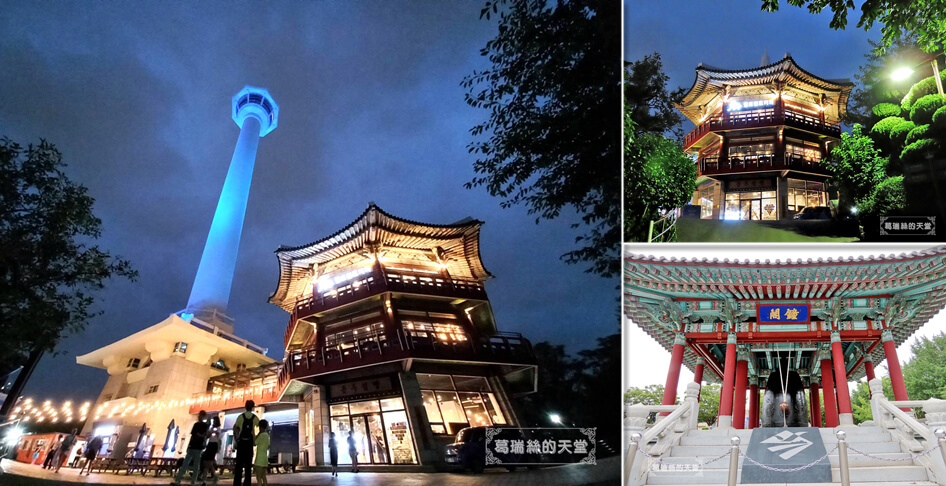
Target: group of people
(352, 452)
(248, 432)
(59, 452)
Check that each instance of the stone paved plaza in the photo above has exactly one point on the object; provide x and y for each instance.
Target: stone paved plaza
(606, 472)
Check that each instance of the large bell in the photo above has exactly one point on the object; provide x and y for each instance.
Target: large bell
(784, 410)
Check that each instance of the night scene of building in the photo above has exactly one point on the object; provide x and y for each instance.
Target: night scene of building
(281, 260)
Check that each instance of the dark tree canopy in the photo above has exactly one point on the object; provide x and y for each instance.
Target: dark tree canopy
(552, 140)
(874, 85)
(922, 19)
(647, 101)
(48, 266)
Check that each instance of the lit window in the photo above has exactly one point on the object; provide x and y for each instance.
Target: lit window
(452, 402)
(180, 348)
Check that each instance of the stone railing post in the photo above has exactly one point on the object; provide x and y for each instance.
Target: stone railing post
(691, 397)
(876, 395)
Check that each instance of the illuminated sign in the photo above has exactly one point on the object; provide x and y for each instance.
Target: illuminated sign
(783, 314)
(329, 282)
(748, 105)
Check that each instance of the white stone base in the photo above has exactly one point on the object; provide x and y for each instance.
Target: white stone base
(846, 418)
(724, 422)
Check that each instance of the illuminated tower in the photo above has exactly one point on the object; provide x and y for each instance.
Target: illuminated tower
(257, 114)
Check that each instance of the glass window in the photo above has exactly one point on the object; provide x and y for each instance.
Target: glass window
(339, 409)
(134, 362)
(471, 383)
(392, 404)
(450, 408)
(347, 339)
(180, 348)
(364, 407)
(342, 428)
(493, 408)
(400, 442)
(430, 404)
(474, 409)
(441, 331)
(707, 197)
(432, 382)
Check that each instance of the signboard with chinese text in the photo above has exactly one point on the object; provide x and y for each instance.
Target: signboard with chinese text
(534, 446)
(783, 314)
(362, 388)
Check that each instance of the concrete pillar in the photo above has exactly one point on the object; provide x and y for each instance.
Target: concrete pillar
(729, 379)
(827, 383)
(739, 400)
(427, 449)
(845, 415)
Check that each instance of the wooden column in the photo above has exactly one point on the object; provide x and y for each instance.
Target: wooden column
(698, 375)
(739, 401)
(729, 378)
(845, 415)
(893, 365)
(827, 384)
(754, 404)
(869, 367)
(673, 373)
(815, 399)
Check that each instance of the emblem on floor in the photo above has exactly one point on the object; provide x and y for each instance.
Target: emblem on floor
(786, 448)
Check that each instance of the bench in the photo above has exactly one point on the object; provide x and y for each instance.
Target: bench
(162, 464)
(106, 464)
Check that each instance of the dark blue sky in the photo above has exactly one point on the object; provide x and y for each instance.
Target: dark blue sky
(137, 97)
(733, 34)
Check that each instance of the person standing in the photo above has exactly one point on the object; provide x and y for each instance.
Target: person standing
(209, 457)
(261, 464)
(244, 430)
(65, 448)
(91, 452)
(51, 453)
(194, 449)
(333, 453)
(353, 451)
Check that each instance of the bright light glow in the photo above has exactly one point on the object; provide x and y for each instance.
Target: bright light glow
(326, 282)
(555, 418)
(901, 74)
(13, 436)
(854, 210)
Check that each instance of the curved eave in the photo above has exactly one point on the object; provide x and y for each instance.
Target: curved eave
(460, 242)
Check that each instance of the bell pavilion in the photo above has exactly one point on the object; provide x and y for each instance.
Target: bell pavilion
(761, 139)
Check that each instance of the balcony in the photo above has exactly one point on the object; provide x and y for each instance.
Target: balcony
(500, 348)
(760, 119)
(710, 166)
(380, 282)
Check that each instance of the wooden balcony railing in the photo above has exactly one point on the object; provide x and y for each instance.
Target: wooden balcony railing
(376, 283)
(763, 118)
(756, 163)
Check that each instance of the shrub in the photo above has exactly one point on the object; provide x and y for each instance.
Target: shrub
(939, 118)
(919, 149)
(924, 87)
(899, 132)
(888, 198)
(883, 127)
(884, 110)
(923, 109)
(917, 133)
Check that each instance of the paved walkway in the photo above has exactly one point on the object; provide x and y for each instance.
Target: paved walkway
(607, 472)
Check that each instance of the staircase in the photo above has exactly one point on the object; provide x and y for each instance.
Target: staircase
(698, 446)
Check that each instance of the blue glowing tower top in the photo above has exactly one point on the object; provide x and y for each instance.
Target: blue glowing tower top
(257, 114)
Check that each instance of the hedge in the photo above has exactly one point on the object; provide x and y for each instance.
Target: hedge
(883, 127)
(899, 132)
(917, 133)
(924, 87)
(884, 110)
(918, 149)
(923, 109)
(939, 118)
(888, 198)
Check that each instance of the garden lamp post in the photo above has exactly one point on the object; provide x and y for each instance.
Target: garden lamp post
(902, 73)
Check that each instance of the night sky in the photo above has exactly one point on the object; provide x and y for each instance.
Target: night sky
(734, 34)
(137, 97)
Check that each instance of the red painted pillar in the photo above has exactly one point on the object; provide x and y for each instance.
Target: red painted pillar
(698, 372)
(845, 415)
(827, 385)
(753, 405)
(673, 373)
(739, 401)
(729, 378)
(893, 365)
(869, 368)
(815, 398)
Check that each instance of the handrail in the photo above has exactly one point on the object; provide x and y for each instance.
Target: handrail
(888, 415)
(668, 223)
(665, 433)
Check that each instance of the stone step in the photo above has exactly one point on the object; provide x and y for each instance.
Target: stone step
(887, 474)
(716, 450)
(855, 460)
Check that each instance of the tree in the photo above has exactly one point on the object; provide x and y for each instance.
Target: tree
(647, 101)
(922, 19)
(856, 168)
(550, 142)
(860, 400)
(648, 395)
(599, 370)
(658, 177)
(874, 85)
(48, 269)
(709, 403)
(556, 386)
(925, 374)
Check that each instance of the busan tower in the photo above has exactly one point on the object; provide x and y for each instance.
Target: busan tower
(257, 114)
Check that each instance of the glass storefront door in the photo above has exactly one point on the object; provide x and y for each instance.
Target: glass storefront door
(379, 428)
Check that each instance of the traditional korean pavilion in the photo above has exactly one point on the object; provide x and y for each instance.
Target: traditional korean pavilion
(391, 339)
(823, 322)
(761, 139)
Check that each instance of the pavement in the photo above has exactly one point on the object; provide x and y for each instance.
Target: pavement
(606, 472)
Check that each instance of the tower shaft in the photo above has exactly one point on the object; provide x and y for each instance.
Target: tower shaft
(211, 289)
